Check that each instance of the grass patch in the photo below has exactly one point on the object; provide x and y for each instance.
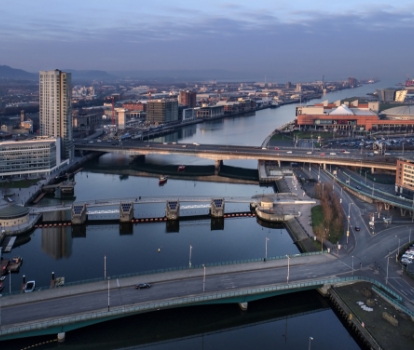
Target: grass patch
(281, 136)
(336, 232)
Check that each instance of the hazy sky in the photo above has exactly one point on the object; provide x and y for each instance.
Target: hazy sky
(297, 39)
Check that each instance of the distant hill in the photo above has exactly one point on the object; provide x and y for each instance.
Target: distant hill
(81, 75)
(7, 72)
(180, 75)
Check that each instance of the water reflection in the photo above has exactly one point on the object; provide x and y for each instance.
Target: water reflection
(267, 324)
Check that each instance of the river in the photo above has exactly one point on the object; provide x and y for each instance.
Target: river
(284, 323)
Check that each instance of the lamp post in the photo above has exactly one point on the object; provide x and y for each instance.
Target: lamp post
(266, 249)
(287, 277)
(204, 278)
(109, 297)
(310, 343)
(349, 219)
(388, 262)
(189, 259)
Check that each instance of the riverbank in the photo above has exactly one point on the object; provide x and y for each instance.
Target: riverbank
(376, 321)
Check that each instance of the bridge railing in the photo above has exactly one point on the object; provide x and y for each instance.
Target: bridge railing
(173, 269)
(116, 312)
(378, 190)
(382, 199)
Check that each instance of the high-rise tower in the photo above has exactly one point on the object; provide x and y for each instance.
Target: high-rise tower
(55, 112)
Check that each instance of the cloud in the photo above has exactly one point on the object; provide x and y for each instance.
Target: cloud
(365, 42)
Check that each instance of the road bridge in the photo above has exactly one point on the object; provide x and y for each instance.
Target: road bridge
(218, 153)
(367, 192)
(59, 310)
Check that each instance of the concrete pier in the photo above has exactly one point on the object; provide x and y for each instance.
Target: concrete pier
(173, 210)
(217, 207)
(217, 166)
(126, 212)
(78, 214)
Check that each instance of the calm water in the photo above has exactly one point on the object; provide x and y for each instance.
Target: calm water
(78, 254)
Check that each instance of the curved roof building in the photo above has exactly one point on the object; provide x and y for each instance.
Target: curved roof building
(400, 113)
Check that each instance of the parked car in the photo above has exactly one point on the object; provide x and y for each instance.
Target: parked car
(406, 262)
(30, 286)
(142, 286)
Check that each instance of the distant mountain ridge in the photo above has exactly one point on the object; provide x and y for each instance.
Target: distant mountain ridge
(89, 74)
(7, 72)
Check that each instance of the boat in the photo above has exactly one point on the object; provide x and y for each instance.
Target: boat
(181, 168)
(30, 286)
(163, 179)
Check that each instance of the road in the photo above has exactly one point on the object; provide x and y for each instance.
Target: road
(223, 152)
(372, 251)
(53, 303)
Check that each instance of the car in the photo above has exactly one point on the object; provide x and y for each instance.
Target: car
(184, 146)
(143, 286)
(406, 261)
(357, 228)
(322, 154)
(359, 187)
(289, 152)
(30, 286)
(276, 148)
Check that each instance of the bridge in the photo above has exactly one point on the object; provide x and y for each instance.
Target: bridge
(80, 210)
(218, 153)
(62, 309)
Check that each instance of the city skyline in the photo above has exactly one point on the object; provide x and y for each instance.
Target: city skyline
(299, 41)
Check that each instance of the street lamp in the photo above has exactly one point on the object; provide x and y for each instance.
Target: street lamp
(287, 278)
(109, 298)
(310, 343)
(204, 278)
(189, 259)
(388, 262)
(266, 249)
(349, 219)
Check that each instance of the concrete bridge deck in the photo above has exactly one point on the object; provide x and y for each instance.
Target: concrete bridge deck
(62, 309)
(227, 152)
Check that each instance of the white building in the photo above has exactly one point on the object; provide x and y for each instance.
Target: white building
(39, 156)
(55, 114)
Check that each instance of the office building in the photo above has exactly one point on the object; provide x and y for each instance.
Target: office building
(55, 113)
(188, 98)
(39, 156)
(162, 111)
(404, 177)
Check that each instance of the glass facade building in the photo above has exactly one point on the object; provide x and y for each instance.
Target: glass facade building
(31, 157)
